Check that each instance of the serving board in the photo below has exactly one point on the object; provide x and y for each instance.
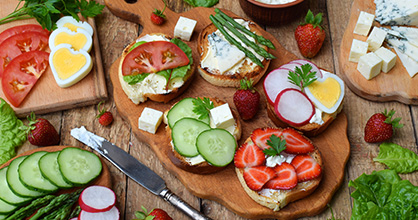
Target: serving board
(224, 186)
(46, 96)
(396, 85)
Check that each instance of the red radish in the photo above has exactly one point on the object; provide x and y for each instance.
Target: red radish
(112, 214)
(275, 82)
(74, 218)
(314, 67)
(290, 66)
(293, 107)
(97, 199)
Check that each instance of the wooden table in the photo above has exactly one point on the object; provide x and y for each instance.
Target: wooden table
(115, 33)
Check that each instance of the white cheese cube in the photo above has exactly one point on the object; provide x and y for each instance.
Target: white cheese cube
(149, 120)
(221, 116)
(358, 49)
(376, 38)
(364, 23)
(388, 57)
(369, 65)
(184, 28)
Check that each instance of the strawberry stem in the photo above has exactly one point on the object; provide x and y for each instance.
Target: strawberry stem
(101, 111)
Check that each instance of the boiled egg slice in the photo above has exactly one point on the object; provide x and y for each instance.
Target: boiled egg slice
(72, 24)
(326, 93)
(80, 40)
(68, 65)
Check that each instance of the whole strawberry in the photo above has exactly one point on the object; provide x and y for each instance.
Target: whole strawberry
(41, 132)
(157, 16)
(380, 127)
(155, 214)
(105, 117)
(310, 35)
(247, 100)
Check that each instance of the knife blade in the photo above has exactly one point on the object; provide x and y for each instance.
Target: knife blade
(134, 169)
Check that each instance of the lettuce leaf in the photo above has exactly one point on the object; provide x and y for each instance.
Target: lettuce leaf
(202, 3)
(397, 158)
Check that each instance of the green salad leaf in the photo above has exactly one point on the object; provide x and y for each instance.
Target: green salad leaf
(202, 3)
(397, 158)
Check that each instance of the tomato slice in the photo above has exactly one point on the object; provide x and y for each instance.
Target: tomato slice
(20, 29)
(153, 57)
(21, 43)
(21, 75)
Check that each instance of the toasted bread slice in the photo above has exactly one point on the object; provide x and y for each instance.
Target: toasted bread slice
(140, 93)
(247, 70)
(203, 167)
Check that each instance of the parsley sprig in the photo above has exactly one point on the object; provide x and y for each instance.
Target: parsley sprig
(202, 107)
(303, 76)
(47, 12)
(277, 145)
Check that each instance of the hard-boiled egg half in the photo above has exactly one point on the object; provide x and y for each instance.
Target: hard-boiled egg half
(72, 24)
(79, 40)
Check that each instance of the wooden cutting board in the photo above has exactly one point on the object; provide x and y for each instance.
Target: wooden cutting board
(46, 96)
(396, 85)
(224, 186)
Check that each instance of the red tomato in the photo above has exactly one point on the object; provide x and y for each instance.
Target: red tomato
(21, 43)
(20, 29)
(21, 75)
(152, 57)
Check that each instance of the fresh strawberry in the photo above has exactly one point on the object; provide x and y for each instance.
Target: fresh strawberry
(286, 177)
(155, 214)
(247, 100)
(157, 16)
(296, 143)
(249, 155)
(41, 132)
(256, 177)
(310, 35)
(306, 167)
(105, 117)
(380, 127)
(261, 135)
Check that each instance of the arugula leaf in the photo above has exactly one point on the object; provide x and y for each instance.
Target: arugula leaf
(134, 79)
(302, 77)
(202, 107)
(202, 3)
(277, 145)
(400, 159)
(136, 45)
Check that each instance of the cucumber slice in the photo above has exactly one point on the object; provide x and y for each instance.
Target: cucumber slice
(6, 194)
(217, 146)
(78, 166)
(14, 182)
(30, 174)
(49, 168)
(6, 208)
(184, 134)
(183, 109)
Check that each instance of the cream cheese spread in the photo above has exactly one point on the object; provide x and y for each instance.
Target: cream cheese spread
(275, 2)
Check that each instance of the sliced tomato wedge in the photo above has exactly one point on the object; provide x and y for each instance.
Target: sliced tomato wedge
(20, 29)
(21, 43)
(153, 57)
(21, 75)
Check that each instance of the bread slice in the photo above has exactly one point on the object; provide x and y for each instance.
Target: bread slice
(248, 70)
(280, 198)
(137, 93)
(204, 167)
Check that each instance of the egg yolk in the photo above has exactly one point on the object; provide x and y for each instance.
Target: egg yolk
(67, 64)
(77, 41)
(70, 26)
(327, 92)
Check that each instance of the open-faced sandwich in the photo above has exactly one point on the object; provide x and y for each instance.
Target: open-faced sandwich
(231, 50)
(203, 134)
(303, 96)
(277, 166)
(155, 67)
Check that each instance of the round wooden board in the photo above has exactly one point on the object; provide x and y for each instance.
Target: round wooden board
(396, 85)
(224, 186)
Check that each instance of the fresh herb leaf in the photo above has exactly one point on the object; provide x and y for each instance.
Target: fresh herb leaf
(134, 79)
(277, 145)
(302, 77)
(202, 3)
(400, 159)
(136, 45)
(202, 107)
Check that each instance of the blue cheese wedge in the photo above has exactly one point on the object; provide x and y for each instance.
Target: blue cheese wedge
(376, 38)
(369, 65)
(149, 120)
(184, 28)
(410, 65)
(388, 58)
(358, 49)
(409, 33)
(397, 12)
(364, 23)
(405, 47)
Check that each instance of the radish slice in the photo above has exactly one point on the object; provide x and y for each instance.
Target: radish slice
(294, 107)
(74, 219)
(97, 199)
(314, 67)
(112, 214)
(275, 82)
(290, 66)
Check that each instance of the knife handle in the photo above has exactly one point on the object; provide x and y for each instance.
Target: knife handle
(182, 205)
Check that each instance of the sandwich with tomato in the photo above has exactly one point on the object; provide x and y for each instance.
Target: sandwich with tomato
(155, 67)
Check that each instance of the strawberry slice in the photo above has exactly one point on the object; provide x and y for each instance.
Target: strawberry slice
(286, 177)
(249, 155)
(296, 143)
(261, 135)
(306, 167)
(256, 177)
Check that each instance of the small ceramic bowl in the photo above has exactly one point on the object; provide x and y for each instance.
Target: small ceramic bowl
(272, 15)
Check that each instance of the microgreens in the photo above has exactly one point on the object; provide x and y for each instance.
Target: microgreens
(277, 145)
(302, 77)
(202, 107)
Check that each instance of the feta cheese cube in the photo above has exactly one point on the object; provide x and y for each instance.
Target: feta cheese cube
(376, 38)
(149, 120)
(369, 65)
(364, 23)
(358, 49)
(221, 116)
(388, 57)
(184, 28)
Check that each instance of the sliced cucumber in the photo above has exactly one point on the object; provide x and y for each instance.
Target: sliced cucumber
(30, 174)
(184, 134)
(49, 168)
(14, 182)
(79, 166)
(217, 146)
(6, 208)
(6, 194)
(183, 109)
